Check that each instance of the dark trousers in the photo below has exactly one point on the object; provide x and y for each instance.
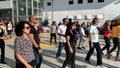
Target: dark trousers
(51, 36)
(2, 46)
(116, 42)
(107, 42)
(91, 50)
(70, 57)
(20, 65)
(61, 46)
(38, 59)
(118, 51)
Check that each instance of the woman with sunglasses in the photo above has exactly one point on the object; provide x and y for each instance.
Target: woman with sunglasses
(70, 46)
(2, 44)
(23, 48)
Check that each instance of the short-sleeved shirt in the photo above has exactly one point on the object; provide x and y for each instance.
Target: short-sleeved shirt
(72, 38)
(94, 31)
(24, 47)
(53, 29)
(62, 30)
(35, 33)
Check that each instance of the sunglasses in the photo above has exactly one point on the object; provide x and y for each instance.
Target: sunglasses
(36, 18)
(27, 27)
(1, 24)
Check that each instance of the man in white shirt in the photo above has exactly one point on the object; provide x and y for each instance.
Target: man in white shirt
(61, 32)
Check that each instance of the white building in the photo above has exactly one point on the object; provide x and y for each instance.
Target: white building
(82, 10)
(16, 10)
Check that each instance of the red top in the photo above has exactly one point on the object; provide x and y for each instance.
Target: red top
(107, 33)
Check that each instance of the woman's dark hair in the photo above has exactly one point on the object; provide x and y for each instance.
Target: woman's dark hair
(94, 20)
(69, 26)
(19, 27)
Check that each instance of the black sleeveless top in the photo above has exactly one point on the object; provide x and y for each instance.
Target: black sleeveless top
(1, 33)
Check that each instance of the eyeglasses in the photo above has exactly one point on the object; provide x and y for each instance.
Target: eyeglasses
(27, 27)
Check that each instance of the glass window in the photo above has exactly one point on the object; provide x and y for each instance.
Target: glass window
(35, 4)
(22, 8)
(70, 2)
(21, 18)
(35, 11)
(90, 1)
(100, 0)
(29, 11)
(39, 5)
(80, 1)
(15, 8)
(29, 3)
(4, 0)
(15, 20)
(49, 4)
(39, 13)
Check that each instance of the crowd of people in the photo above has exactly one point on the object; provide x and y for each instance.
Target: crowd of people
(27, 50)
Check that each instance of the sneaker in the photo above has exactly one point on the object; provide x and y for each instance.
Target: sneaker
(88, 62)
(83, 47)
(102, 53)
(57, 58)
(3, 62)
(79, 48)
(118, 60)
(102, 66)
(98, 66)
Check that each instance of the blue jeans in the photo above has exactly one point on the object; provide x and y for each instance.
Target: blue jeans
(91, 50)
(38, 59)
(61, 46)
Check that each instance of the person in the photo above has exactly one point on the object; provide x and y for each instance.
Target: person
(70, 46)
(23, 48)
(34, 35)
(2, 44)
(61, 32)
(53, 31)
(94, 43)
(116, 40)
(107, 36)
(82, 37)
(75, 32)
(9, 29)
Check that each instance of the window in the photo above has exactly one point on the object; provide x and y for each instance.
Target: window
(80, 1)
(70, 1)
(100, 0)
(49, 3)
(90, 1)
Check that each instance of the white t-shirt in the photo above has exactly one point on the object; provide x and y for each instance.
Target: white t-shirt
(82, 32)
(62, 30)
(53, 29)
(94, 31)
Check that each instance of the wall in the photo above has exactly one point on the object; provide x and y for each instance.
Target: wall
(61, 8)
(5, 4)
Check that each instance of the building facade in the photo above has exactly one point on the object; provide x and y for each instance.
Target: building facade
(17, 10)
(81, 10)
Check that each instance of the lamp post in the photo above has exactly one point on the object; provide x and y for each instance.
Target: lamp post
(52, 10)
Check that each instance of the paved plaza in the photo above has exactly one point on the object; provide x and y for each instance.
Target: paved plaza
(49, 53)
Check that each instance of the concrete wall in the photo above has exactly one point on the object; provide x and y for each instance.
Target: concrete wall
(5, 4)
(60, 9)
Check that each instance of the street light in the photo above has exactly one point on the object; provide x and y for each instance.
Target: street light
(52, 10)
